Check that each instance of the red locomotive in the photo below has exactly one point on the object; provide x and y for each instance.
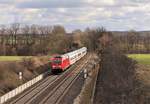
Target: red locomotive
(62, 62)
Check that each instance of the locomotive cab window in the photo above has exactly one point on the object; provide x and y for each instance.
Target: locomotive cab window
(57, 61)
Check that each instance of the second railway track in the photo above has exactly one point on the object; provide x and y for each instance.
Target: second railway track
(55, 95)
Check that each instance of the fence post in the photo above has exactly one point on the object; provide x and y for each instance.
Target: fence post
(0, 100)
(85, 73)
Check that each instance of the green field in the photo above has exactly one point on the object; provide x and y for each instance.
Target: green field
(13, 58)
(141, 58)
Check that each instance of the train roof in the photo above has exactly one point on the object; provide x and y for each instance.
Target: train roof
(70, 53)
(73, 52)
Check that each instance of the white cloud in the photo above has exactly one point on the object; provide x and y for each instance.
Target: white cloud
(113, 14)
(63, 10)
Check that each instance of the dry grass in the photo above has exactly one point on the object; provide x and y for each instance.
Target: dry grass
(30, 67)
(143, 76)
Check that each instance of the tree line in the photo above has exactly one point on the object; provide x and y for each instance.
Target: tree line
(133, 42)
(26, 40)
(18, 39)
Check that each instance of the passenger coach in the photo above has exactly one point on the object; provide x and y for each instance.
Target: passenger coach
(62, 62)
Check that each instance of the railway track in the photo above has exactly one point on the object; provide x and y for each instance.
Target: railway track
(33, 90)
(34, 94)
(55, 96)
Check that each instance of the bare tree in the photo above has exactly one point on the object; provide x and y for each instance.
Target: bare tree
(26, 31)
(146, 43)
(58, 30)
(2, 33)
(13, 30)
(33, 33)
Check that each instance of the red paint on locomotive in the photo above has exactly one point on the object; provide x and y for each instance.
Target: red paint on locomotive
(60, 63)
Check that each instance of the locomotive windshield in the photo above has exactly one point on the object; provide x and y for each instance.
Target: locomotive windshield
(57, 61)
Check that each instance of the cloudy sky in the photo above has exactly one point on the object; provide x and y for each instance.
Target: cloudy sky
(74, 14)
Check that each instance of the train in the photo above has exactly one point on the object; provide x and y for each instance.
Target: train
(60, 63)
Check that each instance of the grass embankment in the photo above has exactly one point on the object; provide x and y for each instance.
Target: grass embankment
(143, 74)
(10, 66)
(141, 58)
(123, 80)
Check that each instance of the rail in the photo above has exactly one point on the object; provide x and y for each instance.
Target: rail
(36, 91)
(20, 89)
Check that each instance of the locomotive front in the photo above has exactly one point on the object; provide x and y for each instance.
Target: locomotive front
(56, 63)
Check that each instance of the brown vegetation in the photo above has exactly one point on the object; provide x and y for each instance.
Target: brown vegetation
(30, 67)
(118, 80)
(143, 76)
